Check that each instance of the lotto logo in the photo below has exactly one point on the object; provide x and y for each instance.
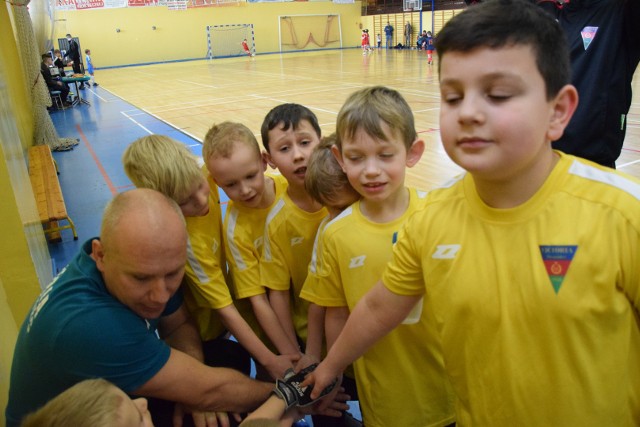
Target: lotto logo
(446, 252)
(358, 261)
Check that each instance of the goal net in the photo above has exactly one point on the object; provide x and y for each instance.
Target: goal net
(226, 40)
(310, 32)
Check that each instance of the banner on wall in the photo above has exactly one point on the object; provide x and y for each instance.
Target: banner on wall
(174, 4)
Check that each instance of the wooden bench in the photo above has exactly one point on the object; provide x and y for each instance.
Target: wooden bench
(46, 189)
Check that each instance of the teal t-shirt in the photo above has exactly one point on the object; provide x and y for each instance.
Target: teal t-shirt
(77, 330)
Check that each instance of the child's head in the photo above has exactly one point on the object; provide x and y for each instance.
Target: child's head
(290, 132)
(376, 141)
(428, 33)
(505, 92)
(232, 155)
(487, 25)
(376, 110)
(57, 53)
(47, 59)
(96, 403)
(165, 165)
(325, 180)
(87, 51)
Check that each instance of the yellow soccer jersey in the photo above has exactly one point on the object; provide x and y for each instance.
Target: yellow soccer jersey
(244, 231)
(205, 272)
(288, 244)
(309, 285)
(537, 305)
(401, 379)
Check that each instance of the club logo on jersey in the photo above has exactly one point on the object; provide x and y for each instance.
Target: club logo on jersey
(446, 252)
(588, 34)
(357, 261)
(557, 260)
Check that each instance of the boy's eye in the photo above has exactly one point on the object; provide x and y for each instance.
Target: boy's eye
(251, 176)
(283, 149)
(498, 96)
(305, 142)
(386, 155)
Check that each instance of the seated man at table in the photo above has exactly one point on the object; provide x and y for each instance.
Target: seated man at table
(51, 82)
(115, 312)
(60, 62)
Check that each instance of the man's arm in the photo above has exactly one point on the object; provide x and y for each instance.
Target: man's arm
(377, 313)
(185, 379)
(179, 332)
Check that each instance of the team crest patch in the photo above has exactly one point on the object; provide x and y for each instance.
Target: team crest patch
(557, 260)
(588, 34)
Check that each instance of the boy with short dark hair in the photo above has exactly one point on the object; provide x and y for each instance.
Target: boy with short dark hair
(290, 132)
(538, 311)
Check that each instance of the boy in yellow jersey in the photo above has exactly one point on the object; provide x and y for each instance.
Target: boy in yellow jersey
(290, 132)
(401, 380)
(531, 260)
(232, 156)
(326, 183)
(163, 164)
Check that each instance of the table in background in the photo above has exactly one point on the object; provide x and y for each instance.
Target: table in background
(75, 81)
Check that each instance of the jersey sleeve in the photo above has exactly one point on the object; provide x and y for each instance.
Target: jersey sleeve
(242, 257)
(328, 289)
(204, 272)
(274, 270)
(403, 275)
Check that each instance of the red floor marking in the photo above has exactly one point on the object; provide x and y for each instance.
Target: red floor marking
(112, 188)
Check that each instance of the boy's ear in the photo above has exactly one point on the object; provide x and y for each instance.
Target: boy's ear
(564, 105)
(338, 155)
(414, 154)
(267, 158)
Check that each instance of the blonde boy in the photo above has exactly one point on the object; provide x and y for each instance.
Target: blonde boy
(232, 156)
(531, 260)
(163, 164)
(290, 132)
(401, 380)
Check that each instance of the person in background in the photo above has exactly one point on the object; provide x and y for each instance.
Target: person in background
(388, 32)
(245, 47)
(604, 44)
(89, 62)
(60, 62)
(53, 84)
(73, 53)
(407, 34)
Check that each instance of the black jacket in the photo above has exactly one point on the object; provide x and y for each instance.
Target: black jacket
(604, 41)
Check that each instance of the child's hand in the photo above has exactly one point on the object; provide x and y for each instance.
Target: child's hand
(279, 364)
(305, 361)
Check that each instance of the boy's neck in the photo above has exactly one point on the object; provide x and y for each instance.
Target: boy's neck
(387, 210)
(301, 199)
(269, 194)
(513, 192)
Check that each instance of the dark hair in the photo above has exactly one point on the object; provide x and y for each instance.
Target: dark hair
(499, 23)
(290, 115)
(46, 56)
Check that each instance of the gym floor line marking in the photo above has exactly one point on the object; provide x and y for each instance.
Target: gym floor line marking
(103, 172)
(136, 122)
